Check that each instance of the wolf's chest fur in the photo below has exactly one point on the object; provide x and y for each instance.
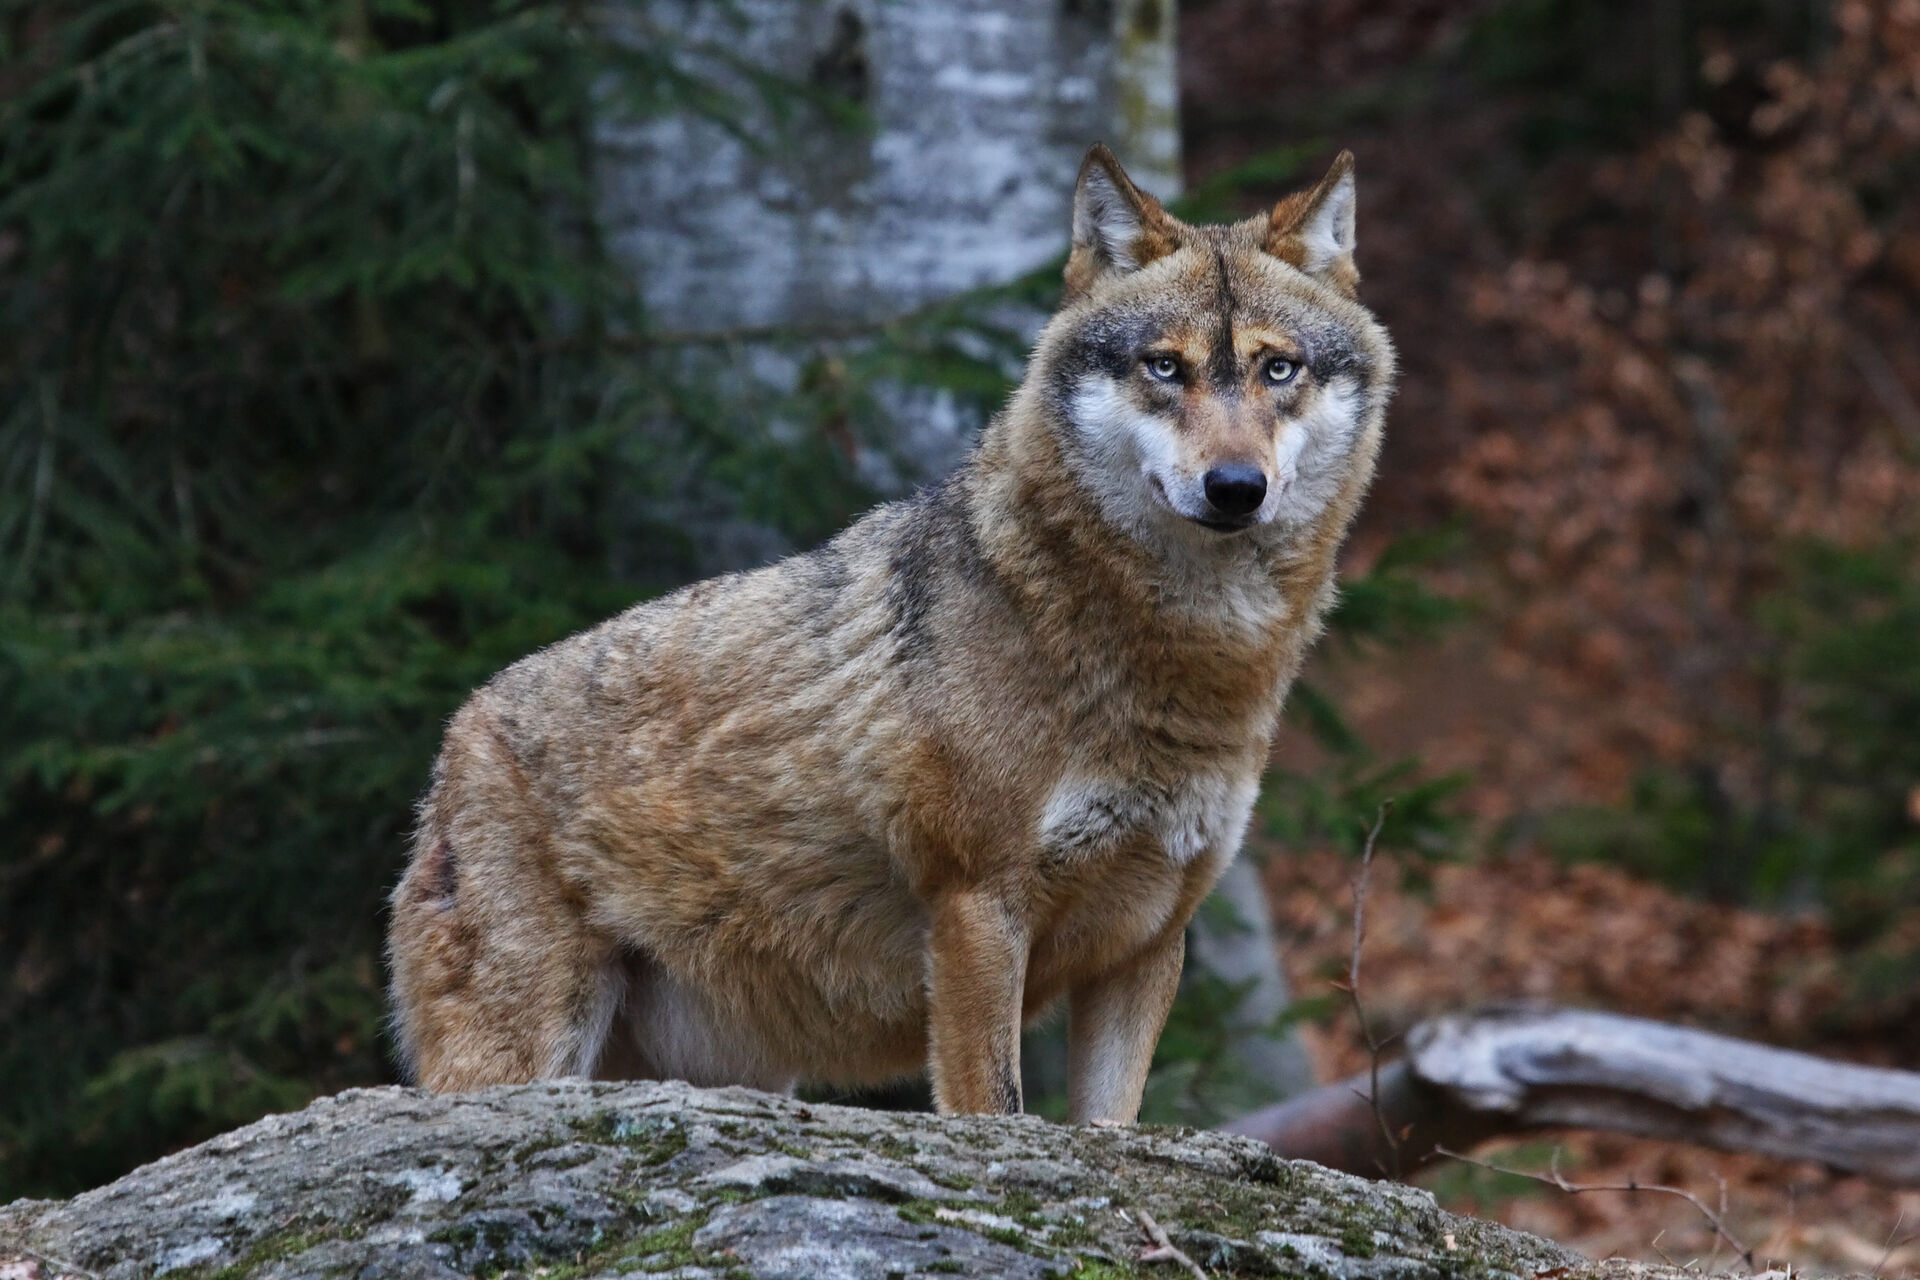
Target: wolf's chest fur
(1086, 817)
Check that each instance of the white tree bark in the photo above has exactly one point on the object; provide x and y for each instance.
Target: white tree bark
(977, 116)
(1232, 939)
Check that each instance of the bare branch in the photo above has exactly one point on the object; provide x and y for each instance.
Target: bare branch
(1163, 1249)
(1892, 1243)
(59, 1264)
(1360, 878)
(1881, 379)
(1555, 1179)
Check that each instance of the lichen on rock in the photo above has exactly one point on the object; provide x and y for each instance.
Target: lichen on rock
(575, 1179)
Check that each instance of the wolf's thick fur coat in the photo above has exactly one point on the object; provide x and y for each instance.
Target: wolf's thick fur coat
(875, 806)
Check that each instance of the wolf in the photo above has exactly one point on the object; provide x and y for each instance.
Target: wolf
(875, 807)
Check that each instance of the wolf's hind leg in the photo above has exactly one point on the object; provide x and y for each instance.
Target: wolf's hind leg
(497, 976)
(498, 984)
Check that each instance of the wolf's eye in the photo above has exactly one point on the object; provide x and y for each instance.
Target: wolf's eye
(1280, 370)
(1165, 368)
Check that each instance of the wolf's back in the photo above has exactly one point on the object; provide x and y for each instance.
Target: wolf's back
(697, 776)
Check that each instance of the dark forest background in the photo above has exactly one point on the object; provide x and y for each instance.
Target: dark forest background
(304, 432)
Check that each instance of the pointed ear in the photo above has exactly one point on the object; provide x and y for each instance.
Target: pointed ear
(1116, 226)
(1313, 230)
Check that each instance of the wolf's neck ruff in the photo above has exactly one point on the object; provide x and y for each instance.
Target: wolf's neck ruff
(871, 808)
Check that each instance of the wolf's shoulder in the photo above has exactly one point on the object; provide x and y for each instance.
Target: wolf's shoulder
(881, 563)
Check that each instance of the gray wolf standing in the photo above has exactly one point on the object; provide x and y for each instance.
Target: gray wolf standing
(876, 806)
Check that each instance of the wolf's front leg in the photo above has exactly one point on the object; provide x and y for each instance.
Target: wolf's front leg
(1113, 1023)
(977, 976)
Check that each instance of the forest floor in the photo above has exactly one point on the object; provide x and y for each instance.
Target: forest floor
(1458, 935)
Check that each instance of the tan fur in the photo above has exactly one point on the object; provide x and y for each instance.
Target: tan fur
(1283, 238)
(874, 807)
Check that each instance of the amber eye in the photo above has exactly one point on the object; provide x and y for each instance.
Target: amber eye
(1165, 368)
(1280, 370)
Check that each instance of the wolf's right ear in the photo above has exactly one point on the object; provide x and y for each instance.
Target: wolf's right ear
(1116, 226)
(1313, 229)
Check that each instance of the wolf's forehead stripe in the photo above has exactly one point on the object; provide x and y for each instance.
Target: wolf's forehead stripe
(1223, 362)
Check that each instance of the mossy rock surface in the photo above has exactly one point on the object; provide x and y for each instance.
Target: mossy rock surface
(574, 1179)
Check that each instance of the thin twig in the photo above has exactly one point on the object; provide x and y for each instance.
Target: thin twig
(1353, 987)
(42, 484)
(1669, 1259)
(1654, 1244)
(1891, 1243)
(59, 1263)
(1554, 1179)
(1164, 1250)
(1881, 379)
(1713, 1259)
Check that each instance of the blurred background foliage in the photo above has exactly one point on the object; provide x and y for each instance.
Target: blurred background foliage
(1653, 269)
(304, 432)
(318, 405)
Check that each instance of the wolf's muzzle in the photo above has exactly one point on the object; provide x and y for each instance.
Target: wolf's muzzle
(1235, 491)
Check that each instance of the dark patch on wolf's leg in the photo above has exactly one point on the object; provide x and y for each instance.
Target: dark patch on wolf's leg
(1008, 1087)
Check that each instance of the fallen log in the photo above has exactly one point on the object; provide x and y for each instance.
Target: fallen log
(1471, 1077)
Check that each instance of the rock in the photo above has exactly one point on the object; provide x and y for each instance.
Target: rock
(601, 1180)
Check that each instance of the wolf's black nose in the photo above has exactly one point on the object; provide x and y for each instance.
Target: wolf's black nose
(1235, 489)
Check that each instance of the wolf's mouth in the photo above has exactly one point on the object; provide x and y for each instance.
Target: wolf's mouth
(1217, 526)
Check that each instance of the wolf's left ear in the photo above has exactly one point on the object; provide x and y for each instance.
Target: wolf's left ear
(1313, 229)
(1116, 226)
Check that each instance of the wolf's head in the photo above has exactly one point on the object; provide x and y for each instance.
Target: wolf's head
(1214, 382)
